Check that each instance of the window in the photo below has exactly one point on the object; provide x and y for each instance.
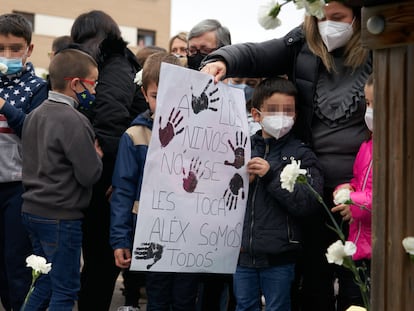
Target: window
(145, 38)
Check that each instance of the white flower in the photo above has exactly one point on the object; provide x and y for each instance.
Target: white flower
(408, 244)
(312, 7)
(338, 251)
(138, 78)
(289, 175)
(342, 196)
(38, 264)
(267, 15)
(3, 68)
(356, 308)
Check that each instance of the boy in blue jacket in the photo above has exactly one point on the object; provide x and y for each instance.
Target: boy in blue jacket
(271, 239)
(164, 290)
(21, 91)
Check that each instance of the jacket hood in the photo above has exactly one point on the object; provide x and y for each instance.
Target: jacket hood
(144, 119)
(113, 46)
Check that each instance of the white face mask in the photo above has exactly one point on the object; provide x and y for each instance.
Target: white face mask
(277, 125)
(335, 34)
(369, 118)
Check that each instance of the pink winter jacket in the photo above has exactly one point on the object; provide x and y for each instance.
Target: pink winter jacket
(360, 227)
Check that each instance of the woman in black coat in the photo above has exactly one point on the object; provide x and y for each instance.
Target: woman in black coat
(114, 109)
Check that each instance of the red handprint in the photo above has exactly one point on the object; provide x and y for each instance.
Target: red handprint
(167, 133)
(190, 182)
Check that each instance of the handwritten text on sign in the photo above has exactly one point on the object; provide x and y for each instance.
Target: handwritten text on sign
(195, 183)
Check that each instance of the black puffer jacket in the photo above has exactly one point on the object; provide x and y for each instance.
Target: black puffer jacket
(289, 55)
(271, 233)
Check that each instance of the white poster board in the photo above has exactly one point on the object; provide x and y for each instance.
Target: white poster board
(195, 184)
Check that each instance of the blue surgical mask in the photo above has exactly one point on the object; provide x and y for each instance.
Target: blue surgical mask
(248, 90)
(14, 65)
(86, 99)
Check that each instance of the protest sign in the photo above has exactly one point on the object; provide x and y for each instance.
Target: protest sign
(195, 185)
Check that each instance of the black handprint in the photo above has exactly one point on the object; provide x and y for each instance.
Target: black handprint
(167, 133)
(200, 103)
(149, 250)
(232, 192)
(190, 182)
(238, 152)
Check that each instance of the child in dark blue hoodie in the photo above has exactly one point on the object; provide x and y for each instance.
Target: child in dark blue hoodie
(164, 290)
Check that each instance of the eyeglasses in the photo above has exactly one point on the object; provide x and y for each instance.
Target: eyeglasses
(90, 82)
(14, 49)
(203, 50)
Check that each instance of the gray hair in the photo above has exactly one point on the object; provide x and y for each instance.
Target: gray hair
(222, 33)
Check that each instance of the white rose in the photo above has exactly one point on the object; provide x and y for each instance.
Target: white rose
(342, 196)
(408, 244)
(3, 68)
(289, 175)
(38, 264)
(337, 251)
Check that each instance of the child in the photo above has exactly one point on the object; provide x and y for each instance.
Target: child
(164, 290)
(271, 240)
(58, 176)
(20, 92)
(359, 212)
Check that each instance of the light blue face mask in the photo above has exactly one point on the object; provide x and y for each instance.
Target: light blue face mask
(248, 90)
(14, 65)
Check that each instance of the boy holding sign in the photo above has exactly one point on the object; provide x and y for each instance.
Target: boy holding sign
(164, 290)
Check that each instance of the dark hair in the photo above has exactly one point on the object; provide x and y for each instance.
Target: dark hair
(152, 67)
(16, 25)
(91, 28)
(69, 63)
(60, 43)
(222, 33)
(270, 86)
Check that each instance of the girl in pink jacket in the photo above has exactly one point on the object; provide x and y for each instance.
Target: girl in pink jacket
(358, 213)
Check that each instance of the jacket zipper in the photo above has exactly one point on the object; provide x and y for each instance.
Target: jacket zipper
(364, 184)
(253, 204)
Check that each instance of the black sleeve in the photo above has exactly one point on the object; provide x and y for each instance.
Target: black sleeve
(114, 97)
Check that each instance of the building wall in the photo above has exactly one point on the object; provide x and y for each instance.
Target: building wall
(53, 18)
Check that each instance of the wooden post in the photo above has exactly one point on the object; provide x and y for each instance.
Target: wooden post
(392, 272)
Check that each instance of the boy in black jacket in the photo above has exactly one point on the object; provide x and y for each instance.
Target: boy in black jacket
(271, 241)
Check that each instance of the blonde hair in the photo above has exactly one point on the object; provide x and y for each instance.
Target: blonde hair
(355, 54)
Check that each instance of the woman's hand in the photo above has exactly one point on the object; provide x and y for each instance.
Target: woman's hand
(217, 69)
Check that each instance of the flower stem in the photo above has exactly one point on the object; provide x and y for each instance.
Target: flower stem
(320, 199)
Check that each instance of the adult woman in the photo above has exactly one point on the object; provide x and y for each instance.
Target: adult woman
(178, 44)
(97, 33)
(329, 66)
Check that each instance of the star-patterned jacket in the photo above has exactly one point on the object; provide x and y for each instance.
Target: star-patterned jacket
(23, 92)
